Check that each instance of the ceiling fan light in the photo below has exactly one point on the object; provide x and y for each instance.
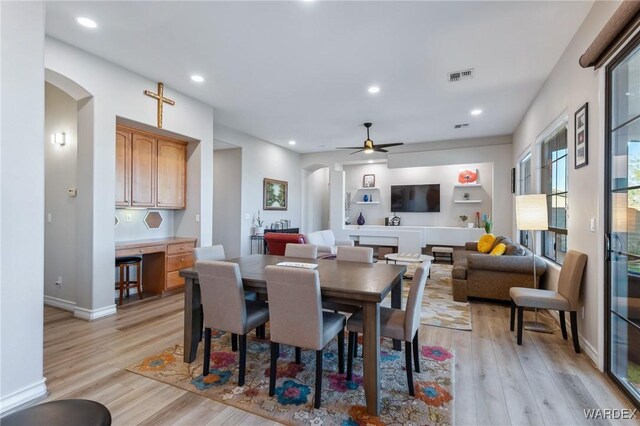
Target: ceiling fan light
(368, 150)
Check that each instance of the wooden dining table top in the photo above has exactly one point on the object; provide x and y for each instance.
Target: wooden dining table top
(366, 282)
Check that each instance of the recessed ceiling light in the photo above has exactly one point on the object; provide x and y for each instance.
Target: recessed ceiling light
(197, 78)
(292, 142)
(86, 22)
(476, 112)
(373, 89)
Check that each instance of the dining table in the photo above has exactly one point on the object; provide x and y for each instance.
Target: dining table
(355, 284)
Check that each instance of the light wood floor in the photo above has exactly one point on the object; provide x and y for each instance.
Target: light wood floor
(496, 382)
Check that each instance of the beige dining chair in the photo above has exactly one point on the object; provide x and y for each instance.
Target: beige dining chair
(565, 299)
(226, 309)
(297, 319)
(209, 253)
(355, 254)
(396, 324)
(307, 251)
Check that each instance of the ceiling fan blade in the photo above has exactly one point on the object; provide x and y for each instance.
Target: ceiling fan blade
(387, 145)
(355, 152)
(349, 147)
(376, 149)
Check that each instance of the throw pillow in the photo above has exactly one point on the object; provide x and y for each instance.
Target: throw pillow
(514, 249)
(499, 239)
(498, 250)
(485, 244)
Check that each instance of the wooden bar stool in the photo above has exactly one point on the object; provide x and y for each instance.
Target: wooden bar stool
(124, 263)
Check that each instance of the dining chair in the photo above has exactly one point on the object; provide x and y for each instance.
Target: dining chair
(297, 319)
(307, 251)
(396, 324)
(209, 253)
(565, 299)
(355, 254)
(226, 309)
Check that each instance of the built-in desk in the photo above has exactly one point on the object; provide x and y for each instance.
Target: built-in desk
(163, 258)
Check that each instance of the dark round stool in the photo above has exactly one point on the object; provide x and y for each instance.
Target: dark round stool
(124, 263)
(66, 412)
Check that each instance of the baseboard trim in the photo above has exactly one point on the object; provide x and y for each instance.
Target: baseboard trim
(66, 305)
(94, 314)
(25, 396)
(585, 346)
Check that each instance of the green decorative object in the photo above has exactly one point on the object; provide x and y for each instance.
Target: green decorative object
(488, 225)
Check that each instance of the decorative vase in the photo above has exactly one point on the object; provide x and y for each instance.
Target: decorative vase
(365, 198)
(361, 218)
(470, 225)
(259, 230)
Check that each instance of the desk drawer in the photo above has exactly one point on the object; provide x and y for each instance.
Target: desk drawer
(180, 248)
(139, 251)
(179, 261)
(174, 280)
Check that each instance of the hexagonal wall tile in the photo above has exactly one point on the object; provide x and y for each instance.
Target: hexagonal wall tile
(153, 220)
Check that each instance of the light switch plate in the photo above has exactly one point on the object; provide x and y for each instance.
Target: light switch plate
(247, 216)
(592, 224)
(49, 217)
(197, 217)
(128, 217)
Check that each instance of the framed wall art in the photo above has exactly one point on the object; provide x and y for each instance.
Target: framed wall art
(275, 194)
(369, 181)
(581, 138)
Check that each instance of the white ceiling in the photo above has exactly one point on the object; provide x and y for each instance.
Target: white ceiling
(300, 70)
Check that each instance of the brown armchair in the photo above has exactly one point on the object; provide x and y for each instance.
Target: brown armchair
(277, 242)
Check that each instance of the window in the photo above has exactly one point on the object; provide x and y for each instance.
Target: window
(554, 173)
(524, 187)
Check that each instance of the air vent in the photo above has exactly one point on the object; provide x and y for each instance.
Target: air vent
(461, 75)
(461, 126)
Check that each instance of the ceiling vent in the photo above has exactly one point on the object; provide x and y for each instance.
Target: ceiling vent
(461, 126)
(460, 75)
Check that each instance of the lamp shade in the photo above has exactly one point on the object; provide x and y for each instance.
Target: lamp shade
(531, 212)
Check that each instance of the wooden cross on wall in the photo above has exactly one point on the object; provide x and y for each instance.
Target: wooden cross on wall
(161, 101)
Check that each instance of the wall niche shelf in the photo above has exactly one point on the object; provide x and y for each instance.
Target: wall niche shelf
(367, 202)
(366, 189)
(465, 185)
(467, 201)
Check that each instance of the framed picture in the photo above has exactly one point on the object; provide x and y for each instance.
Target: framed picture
(513, 180)
(581, 141)
(275, 194)
(369, 181)
(468, 176)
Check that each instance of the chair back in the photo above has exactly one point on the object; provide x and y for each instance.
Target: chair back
(414, 301)
(308, 251)
(209, 253)
(355, 254)
(295, 308)
(570, 278)
(276, 241)
(222, 294)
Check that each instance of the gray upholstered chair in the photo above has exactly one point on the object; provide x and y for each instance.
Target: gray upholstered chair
(297, 319)
(226, 309)
(396, 324)
(209, 253)
(565, 299)
(355, 254)
(307, 251)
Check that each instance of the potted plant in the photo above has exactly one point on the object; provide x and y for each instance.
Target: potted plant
(466, 195)
(463, 218)
(259, 228)
(487, 224)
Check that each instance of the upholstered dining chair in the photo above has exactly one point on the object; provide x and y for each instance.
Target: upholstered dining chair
(209, 253)
(307, 251)
(226, 309)
(396, 324)
(565, 299)
(297, 319)
(355, 254)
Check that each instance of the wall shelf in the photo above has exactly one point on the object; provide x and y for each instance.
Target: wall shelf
(467, 201)
(367, 202)
(366, 189)
(465, 185)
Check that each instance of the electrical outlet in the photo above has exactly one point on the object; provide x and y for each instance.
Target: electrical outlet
(49, 218)
(582, 312)
(247, 216)
(197, 217)
(59, 281)
(592, 224)
(128, 217)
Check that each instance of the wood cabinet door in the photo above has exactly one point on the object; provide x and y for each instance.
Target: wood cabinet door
(172, 180)
(143, 171)
(123, 168)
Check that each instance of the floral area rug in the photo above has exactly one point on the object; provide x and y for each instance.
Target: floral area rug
(343, 402)
(438, 307)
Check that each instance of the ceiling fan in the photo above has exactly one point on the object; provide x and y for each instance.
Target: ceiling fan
(368, 145)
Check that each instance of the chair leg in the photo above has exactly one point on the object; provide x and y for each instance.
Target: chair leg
(520, 323)
(128, 280)
(207, 351)
(355, 346)
(416, 355)
(138, 280)
(121, 283)
(574, 331)
(318, 378)
(234, 342)
(275, 352)
(352, 339)
(563, 325)
(261, 331)
(298, 355)
(341, 351)
(407, 357)
(513, 314)
(243, 359)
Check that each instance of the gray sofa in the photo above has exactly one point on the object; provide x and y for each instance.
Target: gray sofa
(482, 275)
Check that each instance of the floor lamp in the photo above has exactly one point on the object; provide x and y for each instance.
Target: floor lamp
(531, 215)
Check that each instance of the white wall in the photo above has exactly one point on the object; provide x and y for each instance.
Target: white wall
(21, 202)
(61, 115)
(445, 176)
(136, 228)
(316, 216)
(261, 160)
(567, 88)
(227, 193)
(117, 92)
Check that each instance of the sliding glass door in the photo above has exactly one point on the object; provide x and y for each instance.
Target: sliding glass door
(623, 220)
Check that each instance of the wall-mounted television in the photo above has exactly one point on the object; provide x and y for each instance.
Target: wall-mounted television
(415, 198)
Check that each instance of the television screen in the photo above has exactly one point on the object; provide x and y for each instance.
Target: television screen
(415, 198)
